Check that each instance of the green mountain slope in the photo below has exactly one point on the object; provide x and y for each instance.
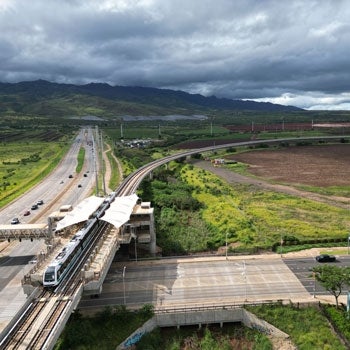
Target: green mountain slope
(45, 98)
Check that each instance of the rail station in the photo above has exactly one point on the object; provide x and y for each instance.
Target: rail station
(130, 220)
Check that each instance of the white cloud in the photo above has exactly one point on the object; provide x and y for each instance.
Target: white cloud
(311, 100)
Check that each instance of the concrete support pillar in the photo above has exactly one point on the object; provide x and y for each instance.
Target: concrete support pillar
(153, 243)
(199, 326)
(221, 324)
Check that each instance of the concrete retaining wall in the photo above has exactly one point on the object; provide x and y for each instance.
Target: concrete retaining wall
(202, 317)
(252, 321)
(137, 335)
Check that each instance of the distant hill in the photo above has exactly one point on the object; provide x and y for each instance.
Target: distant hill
(43, 97)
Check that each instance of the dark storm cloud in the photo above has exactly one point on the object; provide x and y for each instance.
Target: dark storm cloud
(292, 52)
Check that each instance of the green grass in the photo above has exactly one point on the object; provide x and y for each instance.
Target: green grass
(307, 327)
(291, 134)
(258, 218)
(81, 158)
(23, 164)
(115, 175)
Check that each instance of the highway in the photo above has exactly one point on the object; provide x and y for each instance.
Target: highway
(302, 268)
(57, 188)
(196, 282)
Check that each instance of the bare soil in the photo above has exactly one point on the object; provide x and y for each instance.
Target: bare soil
(321, 166)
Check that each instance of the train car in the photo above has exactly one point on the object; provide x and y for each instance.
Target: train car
(64, 261)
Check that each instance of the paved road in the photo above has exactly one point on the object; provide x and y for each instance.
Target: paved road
(53, 185)
(302, 268)
(199, 281)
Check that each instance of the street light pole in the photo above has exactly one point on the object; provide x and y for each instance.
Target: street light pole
(226, 246)
(124, 283)
(314, 285)
(281, 245)
(245, 280)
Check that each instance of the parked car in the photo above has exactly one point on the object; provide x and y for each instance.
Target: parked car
(325, 258)
(26, 213)
(40, 202)
(15, 221)
(34, 207)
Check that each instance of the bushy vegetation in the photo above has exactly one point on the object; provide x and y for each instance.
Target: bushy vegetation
(340, 320)
(180, 228)
(307, 327)
(209, 338)
(105, 331)
(195, 210)
(260, 218)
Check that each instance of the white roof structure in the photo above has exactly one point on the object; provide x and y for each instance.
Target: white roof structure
(81, 212)
(120, 210)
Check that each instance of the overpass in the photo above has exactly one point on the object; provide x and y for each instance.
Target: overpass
(128, 187)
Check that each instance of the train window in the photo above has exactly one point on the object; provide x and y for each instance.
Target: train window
(49, 274)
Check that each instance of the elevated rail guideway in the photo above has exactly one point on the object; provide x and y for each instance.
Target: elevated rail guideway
(43, 317)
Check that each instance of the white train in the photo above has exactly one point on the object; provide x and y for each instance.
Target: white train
(64, 261)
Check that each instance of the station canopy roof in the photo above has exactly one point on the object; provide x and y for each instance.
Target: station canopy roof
(81, 212)
(120, 210)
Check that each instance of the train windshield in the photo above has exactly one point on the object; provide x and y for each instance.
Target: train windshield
(49, 274)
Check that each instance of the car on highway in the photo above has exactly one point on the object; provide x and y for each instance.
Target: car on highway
(85, 175)
(26, 213)
(40, 202)
(79, 185)
(14, 221)
(325, 258)
(70, 176)
(34, 207)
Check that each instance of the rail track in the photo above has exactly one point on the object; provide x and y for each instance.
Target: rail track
(39, 326)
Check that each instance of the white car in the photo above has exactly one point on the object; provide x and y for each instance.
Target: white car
(15, 221)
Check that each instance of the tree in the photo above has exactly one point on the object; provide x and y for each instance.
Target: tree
(333, 278)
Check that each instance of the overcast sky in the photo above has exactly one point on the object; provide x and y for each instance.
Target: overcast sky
(294, 52)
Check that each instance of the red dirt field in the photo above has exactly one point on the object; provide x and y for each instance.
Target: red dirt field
(207, 143)
(322, 165)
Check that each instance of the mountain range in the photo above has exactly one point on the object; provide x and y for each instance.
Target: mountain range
(43, 97)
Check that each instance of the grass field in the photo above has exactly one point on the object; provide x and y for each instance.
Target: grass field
(254, 217)
(24, 163)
